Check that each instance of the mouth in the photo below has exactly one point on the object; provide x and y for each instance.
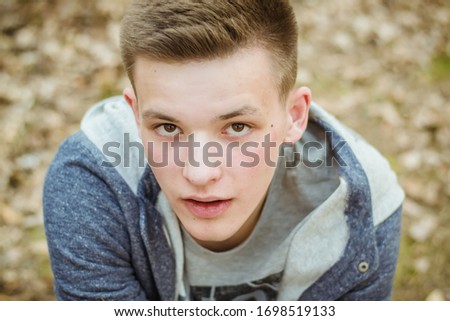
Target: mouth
(207, 208)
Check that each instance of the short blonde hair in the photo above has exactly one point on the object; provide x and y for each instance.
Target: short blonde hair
(183, 30)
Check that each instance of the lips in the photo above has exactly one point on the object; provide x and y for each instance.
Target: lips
(207, 208)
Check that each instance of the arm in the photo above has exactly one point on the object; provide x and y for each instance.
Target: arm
(86, 232)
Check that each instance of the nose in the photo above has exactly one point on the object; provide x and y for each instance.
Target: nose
(204, 164)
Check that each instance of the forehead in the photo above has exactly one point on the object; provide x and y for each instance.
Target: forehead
(243, 78)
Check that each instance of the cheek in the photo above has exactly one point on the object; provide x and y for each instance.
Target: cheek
(260, 151)
(160, 157)
(155, 153)
(161, 154)
(255, 162)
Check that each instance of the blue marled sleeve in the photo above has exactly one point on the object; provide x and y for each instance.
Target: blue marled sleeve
(379, 285)
(86, 233)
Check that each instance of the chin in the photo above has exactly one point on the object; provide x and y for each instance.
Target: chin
(210, 237)
(214, 241)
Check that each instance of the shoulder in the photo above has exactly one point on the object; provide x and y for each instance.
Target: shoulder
(385, 192)
(78, 173)
(76, 151)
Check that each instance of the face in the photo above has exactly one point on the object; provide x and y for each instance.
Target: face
(211, 132)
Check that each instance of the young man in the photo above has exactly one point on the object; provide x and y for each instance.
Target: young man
(213, 178)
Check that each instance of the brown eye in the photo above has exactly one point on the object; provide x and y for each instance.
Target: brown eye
(169, 128)
(238, 127)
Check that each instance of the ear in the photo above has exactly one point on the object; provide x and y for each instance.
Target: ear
(297, 109)
(131, 99)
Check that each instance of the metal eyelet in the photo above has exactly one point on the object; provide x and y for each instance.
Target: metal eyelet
(363, 267)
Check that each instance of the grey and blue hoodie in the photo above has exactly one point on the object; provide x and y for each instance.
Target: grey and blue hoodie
(108, 240)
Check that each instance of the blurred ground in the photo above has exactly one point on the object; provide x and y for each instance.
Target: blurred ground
(382, 67)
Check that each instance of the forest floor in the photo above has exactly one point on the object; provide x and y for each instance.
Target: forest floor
(382, 67)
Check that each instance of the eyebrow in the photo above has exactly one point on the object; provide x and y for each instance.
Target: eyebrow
(245, 110)
(149, 113)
